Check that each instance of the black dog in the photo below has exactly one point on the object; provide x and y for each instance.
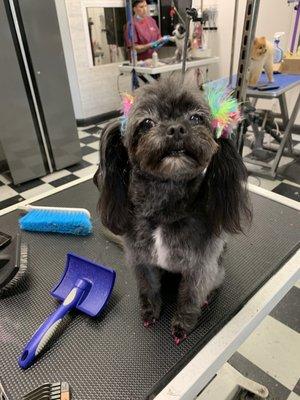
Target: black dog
(174, 193)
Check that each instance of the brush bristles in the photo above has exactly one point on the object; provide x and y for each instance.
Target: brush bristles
(66, 222)
(23, 256)
(15, 281)
(21, 268)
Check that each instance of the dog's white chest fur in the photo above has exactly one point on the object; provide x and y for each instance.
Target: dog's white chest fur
(161, 251)
(179, 42)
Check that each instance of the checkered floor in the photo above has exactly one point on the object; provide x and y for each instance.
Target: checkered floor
(271, 354)
(89, 141)
(287, 182)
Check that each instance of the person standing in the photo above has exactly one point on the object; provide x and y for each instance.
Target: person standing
(146, 34)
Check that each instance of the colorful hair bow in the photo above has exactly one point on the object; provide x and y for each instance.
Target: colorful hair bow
(224, 109)
(127, 103)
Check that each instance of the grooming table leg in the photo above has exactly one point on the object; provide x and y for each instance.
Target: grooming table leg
(149, 78)
(285, 117)
(254, 102)
(286, 137)
(229, 383)
(259, 134)
(284, 109)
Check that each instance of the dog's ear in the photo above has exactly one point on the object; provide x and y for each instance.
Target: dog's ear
(112, 179)
(226, 194)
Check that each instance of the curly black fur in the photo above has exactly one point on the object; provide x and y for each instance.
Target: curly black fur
(174, 193)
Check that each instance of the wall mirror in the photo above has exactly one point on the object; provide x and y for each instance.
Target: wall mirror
(106, 33)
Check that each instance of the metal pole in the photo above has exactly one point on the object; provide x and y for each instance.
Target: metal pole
(250, 22)
(116, 33)
(133, 53)
(178, 14)
(133, 50)
(286, 137)
(185, 47)
(90, 24)
(294, 38)
(236, 9)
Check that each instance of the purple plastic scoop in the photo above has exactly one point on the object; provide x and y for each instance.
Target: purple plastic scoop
(85, 286)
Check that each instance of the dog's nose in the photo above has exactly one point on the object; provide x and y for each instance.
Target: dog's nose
(176, 130)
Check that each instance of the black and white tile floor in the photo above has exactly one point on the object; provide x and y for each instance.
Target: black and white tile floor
(271, 354)
(89, 142)
(287, 182)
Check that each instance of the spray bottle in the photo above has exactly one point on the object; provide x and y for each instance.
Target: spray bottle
(154, 59)
(278, 52)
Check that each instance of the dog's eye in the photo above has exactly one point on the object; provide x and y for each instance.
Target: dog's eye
(197, 119)
(146, 125)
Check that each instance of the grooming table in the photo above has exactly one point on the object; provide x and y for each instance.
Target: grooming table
(285, 83)
(113, 357)
(148, 73)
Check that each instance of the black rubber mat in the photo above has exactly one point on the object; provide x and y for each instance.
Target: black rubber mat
(113, 357)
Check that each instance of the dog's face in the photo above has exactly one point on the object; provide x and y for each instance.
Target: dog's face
(169, 134)
(179, 31)
(259, 48)
(167, 141)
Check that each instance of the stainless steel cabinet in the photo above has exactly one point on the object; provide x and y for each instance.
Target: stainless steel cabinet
(37, 124)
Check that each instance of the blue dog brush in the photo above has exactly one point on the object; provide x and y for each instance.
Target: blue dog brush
(74, 221)
(85, 286)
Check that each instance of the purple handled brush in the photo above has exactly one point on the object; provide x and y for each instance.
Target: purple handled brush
(85, 286)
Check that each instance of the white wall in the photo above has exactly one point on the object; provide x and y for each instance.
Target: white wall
(97, 85)
(69, 57)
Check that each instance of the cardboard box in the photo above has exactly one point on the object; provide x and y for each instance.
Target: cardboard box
(290, 65)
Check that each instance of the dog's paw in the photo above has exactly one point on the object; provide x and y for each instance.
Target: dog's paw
(149, 322)
(183, 323)
(179, 333)
(149, 318)
(150, 313)
(205, 304)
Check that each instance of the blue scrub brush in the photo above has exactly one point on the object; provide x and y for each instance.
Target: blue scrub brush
(74, 221)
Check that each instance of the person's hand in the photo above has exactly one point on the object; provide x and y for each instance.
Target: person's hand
(160, 42)
(165, 39)
(157, 44)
